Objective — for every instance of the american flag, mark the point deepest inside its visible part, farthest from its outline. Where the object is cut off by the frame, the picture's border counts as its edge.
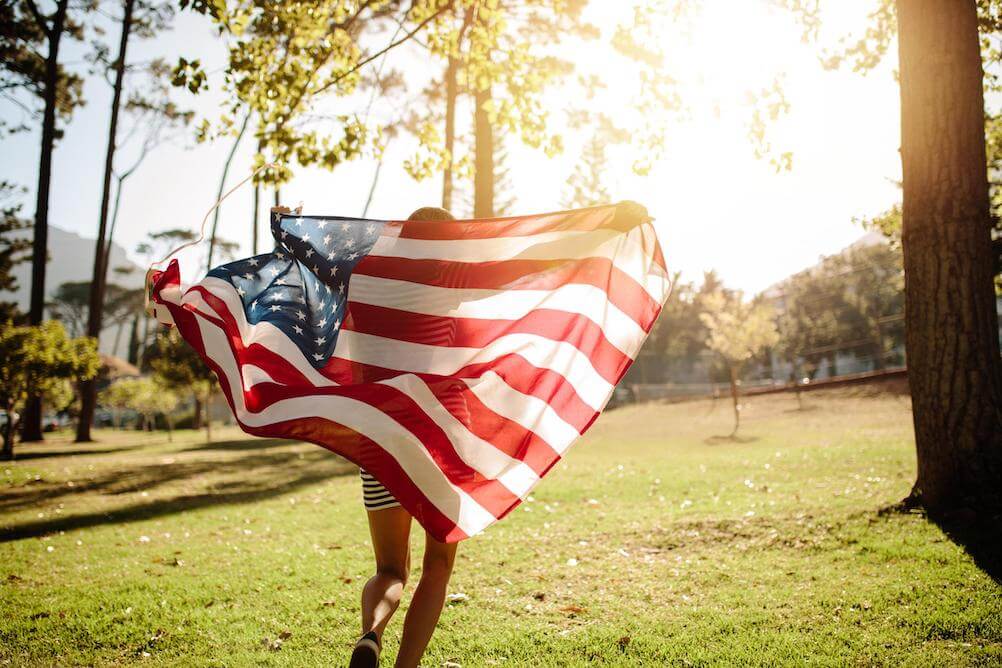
(456, 361)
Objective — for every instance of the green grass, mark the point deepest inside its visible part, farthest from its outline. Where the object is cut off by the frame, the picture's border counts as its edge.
(652, 543)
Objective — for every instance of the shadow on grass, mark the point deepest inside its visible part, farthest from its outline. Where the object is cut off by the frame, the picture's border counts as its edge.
(802, 409)
(240, 444)
(981, 539)
(719, 440)
(983, 544)
(234, 480)
(46, 454)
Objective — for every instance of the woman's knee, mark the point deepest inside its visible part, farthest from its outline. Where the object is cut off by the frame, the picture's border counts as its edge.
(393, 572)
(438, 561)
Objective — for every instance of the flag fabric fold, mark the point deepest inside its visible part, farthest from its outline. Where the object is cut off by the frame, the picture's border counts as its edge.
(456, 361)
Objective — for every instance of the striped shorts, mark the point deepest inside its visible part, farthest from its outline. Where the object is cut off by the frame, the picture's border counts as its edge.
(374, 495)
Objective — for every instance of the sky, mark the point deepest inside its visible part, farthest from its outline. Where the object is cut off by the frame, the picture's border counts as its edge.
(716, 206)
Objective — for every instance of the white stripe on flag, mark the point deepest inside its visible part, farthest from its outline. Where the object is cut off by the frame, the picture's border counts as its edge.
(530, 412)
(482, 457)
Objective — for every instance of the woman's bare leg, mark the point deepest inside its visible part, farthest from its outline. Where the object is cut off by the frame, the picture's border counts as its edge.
(426, 604)
(390, 529)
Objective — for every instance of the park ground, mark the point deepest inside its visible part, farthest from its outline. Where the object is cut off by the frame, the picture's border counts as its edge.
(656, 541)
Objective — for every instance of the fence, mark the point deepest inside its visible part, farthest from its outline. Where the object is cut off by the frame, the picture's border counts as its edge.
(687, 391)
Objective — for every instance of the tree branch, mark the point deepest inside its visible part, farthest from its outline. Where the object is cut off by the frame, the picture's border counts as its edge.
(39, 18)
(387, 48)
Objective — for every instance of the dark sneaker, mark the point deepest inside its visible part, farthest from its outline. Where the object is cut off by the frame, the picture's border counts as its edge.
(366, 654)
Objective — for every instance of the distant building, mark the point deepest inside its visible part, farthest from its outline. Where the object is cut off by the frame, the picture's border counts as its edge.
(844, 358)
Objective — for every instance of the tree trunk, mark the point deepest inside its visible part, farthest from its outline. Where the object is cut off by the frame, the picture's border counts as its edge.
(734, 397)
(144, 340)
(8, 435)
(257, 199)
(133, 354)
(372, 186)
(257, 204)
(951, 325)
(219, 192)
(483, 178)
(118, 337)
(208, 415)
(451, 96)
(88, 388)
(31, 422)
(451, 93)
(879, 345)
(197, 417)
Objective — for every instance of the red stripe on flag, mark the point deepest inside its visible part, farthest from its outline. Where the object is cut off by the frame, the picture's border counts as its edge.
(623, 291)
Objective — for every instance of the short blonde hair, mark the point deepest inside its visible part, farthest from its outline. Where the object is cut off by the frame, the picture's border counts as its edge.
(428, 213)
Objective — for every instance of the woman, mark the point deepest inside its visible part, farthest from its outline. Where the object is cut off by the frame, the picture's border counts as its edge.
(390, 526)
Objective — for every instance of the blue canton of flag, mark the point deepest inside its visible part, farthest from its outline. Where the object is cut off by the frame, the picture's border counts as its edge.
(302, 286)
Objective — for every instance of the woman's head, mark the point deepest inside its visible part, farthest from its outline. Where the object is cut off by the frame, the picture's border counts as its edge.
(431, 213)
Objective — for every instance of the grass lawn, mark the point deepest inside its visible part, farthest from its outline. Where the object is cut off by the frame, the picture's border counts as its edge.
(654, 542)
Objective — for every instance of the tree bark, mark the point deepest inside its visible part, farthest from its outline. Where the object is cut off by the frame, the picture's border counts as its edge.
(951, 323)
(483, 178)
(88, 388)
(31, 422)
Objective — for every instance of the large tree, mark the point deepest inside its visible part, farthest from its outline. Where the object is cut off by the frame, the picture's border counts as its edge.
(954, 367)
(88, 389)
(142, 19)
(30, 40)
